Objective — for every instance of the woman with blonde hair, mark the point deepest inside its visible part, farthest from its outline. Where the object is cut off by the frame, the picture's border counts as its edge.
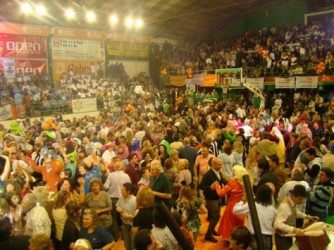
(234, 190)
(143, 216)
(189, 205)
(237, 152)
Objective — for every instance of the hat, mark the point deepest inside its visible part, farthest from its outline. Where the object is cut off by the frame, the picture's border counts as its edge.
(299, 191)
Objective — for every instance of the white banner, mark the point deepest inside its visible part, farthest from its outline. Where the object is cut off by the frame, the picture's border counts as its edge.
(284, 83)
(84, 105)
(258, 82)
(75, 49)
(307, 82)
(9, 67)
(5, 113)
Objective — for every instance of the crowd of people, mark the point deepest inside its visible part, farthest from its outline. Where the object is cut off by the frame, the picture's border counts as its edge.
(286, 51)
(87, 183)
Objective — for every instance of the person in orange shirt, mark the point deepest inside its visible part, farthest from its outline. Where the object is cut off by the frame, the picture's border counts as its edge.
(51, 168)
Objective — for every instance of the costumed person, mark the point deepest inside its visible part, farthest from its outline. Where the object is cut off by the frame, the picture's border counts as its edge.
(280, 145)
(234, 190)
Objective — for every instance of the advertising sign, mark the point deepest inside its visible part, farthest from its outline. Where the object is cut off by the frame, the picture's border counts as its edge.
(284, 83)
(307, 82)
(74, 49)
(31, 67)
(84, 105)
(19, 46)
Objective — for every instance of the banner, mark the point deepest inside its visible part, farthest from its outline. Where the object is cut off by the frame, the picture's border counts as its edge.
(178, 81)
(307, 82)
(5, 112)
(8, 67)
(284, 83)
(78, 33)
(31, 67)
(198, 79)
(258, 82)
(210, 80)
(127, 51)
(24, 29)
(84, 105)
(82, 68)
(19, 46)
(74, 49)
(128, 38)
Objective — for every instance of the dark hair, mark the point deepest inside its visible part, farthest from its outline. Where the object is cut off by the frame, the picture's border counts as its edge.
(61, 182)
(61, 199)
(274, 158)
(263, 163)
(129, 187)
(311, 151)
(5, 228)
(242, 236)
(131, 155)
(328, 172)
(143, 170)
(142, 239)
(263, 195)
(168, 164)
(73, 210)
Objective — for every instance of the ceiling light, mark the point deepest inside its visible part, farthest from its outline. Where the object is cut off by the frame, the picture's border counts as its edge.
(139, 23)
(90, 16)
(113, 19)
(69, 13)
(40, 9)
(26, 8)
(128, 22)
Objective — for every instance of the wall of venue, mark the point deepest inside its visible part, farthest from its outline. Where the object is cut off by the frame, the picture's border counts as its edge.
(28, 51)
(287, 13)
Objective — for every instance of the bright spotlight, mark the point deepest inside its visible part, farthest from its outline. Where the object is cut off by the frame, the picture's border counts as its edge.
(139, 23)
(128, 22)
(40, 9)
(69, 13)
(90, 16)
(113, 19)
(26, 8)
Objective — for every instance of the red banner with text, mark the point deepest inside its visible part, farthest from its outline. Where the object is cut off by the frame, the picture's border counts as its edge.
(31, 67)
(19, 46)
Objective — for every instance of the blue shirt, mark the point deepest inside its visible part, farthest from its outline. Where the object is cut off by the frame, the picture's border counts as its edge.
(98, 239)
(93, 173)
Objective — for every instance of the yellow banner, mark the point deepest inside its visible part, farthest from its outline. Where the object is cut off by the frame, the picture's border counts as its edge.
(74, 67)
(178, 81)
(122, 50)
(210, 80)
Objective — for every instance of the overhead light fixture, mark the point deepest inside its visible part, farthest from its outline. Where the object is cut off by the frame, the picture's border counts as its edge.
(69, 13)
(113, 19)
(26, 8)
(40, 9)
(129, 22)
(139, 23)
(90, 16)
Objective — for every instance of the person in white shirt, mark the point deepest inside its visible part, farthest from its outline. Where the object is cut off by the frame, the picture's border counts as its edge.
(37, 218)
(114, 185)
(266, 213)
(287, 213)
